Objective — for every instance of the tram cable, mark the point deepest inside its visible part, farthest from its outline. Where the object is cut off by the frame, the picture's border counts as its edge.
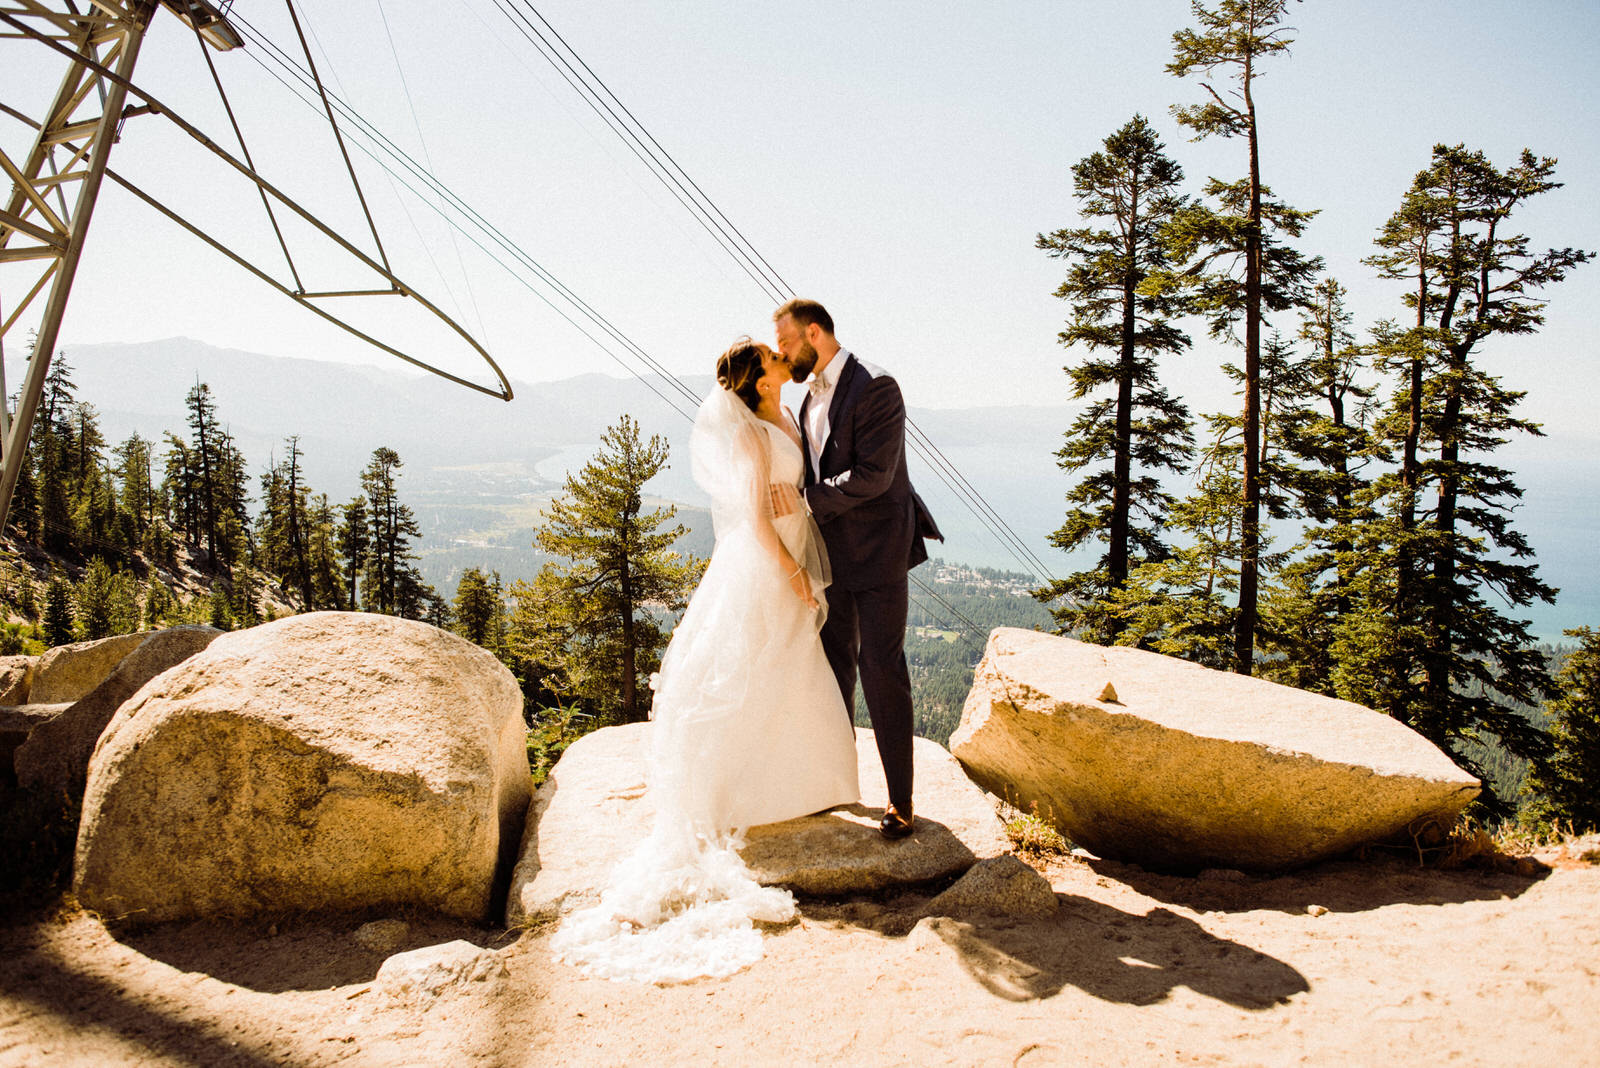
(645, 147)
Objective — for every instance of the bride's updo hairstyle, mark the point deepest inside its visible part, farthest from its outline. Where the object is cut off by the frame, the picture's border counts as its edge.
(740, 368)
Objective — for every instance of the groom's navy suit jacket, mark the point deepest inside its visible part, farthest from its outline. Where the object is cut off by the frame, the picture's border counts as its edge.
(872, 521)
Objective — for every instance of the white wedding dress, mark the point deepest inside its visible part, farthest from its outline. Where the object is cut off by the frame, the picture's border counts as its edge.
(748, 728)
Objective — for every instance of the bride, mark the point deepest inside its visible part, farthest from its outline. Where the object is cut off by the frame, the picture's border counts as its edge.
(749, 726)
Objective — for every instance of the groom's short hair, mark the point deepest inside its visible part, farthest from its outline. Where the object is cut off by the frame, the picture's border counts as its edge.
(805, 312)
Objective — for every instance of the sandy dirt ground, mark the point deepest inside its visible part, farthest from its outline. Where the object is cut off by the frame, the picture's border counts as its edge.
(1367, 962)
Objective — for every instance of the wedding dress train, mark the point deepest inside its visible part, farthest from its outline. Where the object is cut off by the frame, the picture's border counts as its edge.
(748, 728)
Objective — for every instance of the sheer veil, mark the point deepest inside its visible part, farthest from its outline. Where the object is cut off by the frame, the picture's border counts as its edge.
(730, 457)
(683, 904)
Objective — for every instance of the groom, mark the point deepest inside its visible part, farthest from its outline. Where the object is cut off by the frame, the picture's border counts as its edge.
(872, 522)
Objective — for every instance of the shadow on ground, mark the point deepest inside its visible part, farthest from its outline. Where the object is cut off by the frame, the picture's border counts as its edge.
(311, 953)
(37, 979)
(1338, 886)
(1102, 950)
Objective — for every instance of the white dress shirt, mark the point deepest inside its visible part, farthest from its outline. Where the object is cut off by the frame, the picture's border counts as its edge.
(817, 412)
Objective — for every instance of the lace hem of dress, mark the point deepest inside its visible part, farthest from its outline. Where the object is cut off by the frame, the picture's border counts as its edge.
(674, 911)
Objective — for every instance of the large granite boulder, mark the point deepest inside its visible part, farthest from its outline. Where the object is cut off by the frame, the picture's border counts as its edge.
(16, 678)
(68, 672)
(55, 757)
(1168, 764)
(594, 809)
(325, 761)
(17, 724)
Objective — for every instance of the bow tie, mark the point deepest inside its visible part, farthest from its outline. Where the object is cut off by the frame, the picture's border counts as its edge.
(818, 386)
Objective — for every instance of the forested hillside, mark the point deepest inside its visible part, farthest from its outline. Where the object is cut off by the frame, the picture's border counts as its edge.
(110, 538)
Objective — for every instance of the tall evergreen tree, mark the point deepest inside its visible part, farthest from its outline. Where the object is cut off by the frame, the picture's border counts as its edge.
(354, 538)
(283, 538)
(298, 495)
(233, 501)
(59, 392)
(390, 583)
(23, 519)
(85, 445)
(137, 494)
(1430, 646)
(43, 493)
(180, 486)
(1233, 38)
(620, 565)
(207, 479)
(1128, 191)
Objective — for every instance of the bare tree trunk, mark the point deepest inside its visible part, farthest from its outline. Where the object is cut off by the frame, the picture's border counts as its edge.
(1250, 526)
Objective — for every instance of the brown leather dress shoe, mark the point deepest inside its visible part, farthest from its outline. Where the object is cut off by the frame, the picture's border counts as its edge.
(895, 823)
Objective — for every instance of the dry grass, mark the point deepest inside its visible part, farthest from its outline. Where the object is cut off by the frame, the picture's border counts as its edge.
(1508, 846)
(1032, 834)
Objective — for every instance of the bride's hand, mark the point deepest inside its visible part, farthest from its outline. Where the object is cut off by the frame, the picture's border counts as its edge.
(784, 497)
(800, 583)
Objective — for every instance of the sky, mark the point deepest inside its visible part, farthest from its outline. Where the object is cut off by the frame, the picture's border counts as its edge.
(895, 160)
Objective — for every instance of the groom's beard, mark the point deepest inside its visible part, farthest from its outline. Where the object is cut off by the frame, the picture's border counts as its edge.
(800, 366)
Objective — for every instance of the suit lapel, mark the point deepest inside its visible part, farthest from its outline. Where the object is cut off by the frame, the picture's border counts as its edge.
(805, 440)
(843, 391)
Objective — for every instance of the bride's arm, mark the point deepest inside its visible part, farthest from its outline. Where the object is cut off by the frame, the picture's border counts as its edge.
(767, 501)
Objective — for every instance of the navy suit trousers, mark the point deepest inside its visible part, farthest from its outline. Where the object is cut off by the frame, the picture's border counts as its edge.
(866, 631)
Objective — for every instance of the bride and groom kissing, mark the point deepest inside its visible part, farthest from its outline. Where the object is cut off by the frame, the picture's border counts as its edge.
(806, 591)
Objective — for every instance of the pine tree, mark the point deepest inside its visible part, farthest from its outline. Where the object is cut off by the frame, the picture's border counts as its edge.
(1180, 605)
(27, 598)
(159, 605)
(221, 614)
(297, 495)
(1431, 646)
(50, 509)
(181, 487)
(23, 519)
(59, 625)
(243, 597)
(1129, 188)
(85, 447)
(202, 452)
(390, 582)
(135, 469)
(59, 393)
(1565, 785)
(327, 588)
(92, 601)
(55, 507)
(589, 616)
(1234, 37)
(283, 538)
(479, 611)
(91, 491)
(354, 538)
(1322, 425)
(233, 502)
